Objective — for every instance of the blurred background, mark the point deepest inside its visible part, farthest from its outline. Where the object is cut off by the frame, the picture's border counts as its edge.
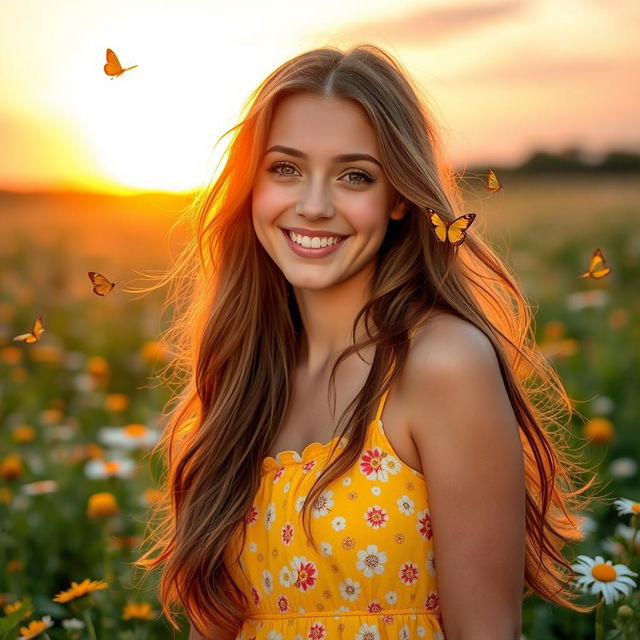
(94, 171)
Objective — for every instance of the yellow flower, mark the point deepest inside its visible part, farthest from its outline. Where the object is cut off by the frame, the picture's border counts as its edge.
(14, 606)
(46, 353)
(79, 590)
(116, 402)
(98, 367)
(11, 355)
(141, 610)
(11, 467)
(35, 628)
(599, 430)
(135, 430)
(102, 504)
(24, 433)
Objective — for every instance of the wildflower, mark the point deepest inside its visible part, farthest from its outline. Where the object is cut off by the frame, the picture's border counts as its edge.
(98, 367)
(35, 628)
(554, 330)
(101, 505)
(598, 576)
(78, 590)
(46, 353)
(14, 606)
(153, 351)
(73, 624)
(11, 355)
(116, 402)
(50, 416)
(583, 299)
(133, 436)
(623, 505)
(602, 404)
(151, 496)
(24, 433)
(40, 487)
(116, 467)
(11, 467)
(623, 467)
(599, 430)
(140, 610)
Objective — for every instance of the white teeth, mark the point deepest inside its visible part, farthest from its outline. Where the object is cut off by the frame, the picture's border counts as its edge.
(314, 242)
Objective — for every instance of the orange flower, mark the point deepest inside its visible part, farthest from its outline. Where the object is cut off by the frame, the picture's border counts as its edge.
(79, 590)
(46, 353)
(135, 430)
(11, 355)
(50, 416)
(554, 330)
(141, 610)
(11, 467)
(98, 367)
(116, 402)
(152, 496)
(24, 433)
(94, 451)
(35, 628)
(154, 351)
(599, 430)
(102, 504)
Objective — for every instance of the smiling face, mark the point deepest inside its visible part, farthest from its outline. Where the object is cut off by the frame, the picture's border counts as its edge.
(303, 184)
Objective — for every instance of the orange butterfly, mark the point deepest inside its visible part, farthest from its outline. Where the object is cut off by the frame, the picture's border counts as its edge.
(597, 267)
(113, 67)
(492, 182)
(36, 332)
(101, 286)
(455, 231)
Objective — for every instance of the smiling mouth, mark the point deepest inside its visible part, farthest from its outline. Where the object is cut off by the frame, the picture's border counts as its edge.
(313, 242)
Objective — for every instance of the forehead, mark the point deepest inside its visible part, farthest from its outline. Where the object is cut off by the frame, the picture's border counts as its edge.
(309, 122)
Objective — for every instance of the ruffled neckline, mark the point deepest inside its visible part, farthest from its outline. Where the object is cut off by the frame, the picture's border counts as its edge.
(312, 451)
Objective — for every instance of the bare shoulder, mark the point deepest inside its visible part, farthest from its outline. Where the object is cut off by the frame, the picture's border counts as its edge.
(465, 432)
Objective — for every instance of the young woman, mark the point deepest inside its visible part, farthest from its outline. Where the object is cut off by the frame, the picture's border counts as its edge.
(420, 496)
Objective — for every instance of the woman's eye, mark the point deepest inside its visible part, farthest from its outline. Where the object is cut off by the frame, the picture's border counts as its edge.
(354, 177)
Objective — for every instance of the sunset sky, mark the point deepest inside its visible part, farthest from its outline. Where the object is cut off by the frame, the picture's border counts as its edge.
(503, 78)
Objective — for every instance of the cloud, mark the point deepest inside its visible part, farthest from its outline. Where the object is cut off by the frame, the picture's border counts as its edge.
(427, 25)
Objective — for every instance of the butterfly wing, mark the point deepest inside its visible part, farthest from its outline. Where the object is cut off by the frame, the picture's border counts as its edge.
(597, 267)
(456, 231)
(438, 225)
(492, 182)
(36, 332)
(101, 286)
(113, 66)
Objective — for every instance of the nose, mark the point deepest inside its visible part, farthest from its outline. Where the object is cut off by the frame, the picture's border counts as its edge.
(315, 203)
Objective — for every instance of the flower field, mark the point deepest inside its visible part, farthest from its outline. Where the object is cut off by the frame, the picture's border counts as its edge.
(81, 407)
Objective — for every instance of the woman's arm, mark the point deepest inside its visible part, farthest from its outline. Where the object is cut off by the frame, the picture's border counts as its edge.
(467, 437)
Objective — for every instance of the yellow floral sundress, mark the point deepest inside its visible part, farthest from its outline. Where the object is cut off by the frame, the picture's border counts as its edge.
(375, 576)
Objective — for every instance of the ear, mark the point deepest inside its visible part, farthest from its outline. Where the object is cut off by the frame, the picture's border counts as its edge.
(399, 209)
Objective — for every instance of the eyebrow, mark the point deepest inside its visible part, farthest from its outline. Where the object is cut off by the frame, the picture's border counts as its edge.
(345, 157)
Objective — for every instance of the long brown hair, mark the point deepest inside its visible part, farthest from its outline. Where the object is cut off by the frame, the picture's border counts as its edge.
(237, 328)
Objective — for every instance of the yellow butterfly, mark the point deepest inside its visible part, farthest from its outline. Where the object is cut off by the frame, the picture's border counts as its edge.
(113, 67)
(455, 231)
(597, 267)
(492, 182)
(101, 286)
(36, 332)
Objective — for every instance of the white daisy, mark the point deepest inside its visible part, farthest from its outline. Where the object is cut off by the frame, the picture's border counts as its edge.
(624, 506)
(371, 561)
(390, 464)
(376, 491)
(598, 576)
(267, 582)
(338, 523)
(391, 597)
(349, 590)
(300, 502)
(623, 467)
(368, 632)
(287, 576)
(420, 631)
(346, 481)
(406, 505)
(253, 547)
(326, 549)
(323, 504)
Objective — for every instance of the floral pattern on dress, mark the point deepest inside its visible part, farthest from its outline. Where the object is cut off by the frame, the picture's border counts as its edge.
(374, 573)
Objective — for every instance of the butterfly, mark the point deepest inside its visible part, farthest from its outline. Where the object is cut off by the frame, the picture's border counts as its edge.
(113, 67)
(492, 182)
(36, 332)
(597, 267)
(454, 231)
(101, 286)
